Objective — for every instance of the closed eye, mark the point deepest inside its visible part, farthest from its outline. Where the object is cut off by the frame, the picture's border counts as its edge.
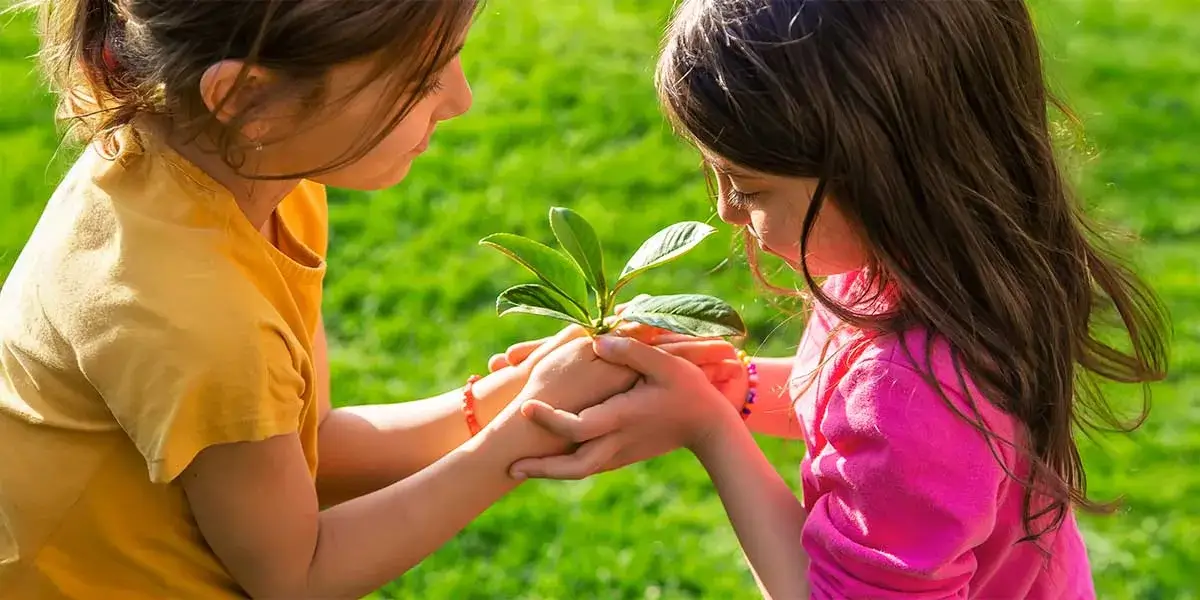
(432, 88)
(739, 200)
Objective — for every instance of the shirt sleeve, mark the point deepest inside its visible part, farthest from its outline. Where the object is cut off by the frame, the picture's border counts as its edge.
(177, 391)
(912, 489)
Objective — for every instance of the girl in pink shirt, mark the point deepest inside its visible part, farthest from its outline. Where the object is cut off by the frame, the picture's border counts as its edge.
(901, 152)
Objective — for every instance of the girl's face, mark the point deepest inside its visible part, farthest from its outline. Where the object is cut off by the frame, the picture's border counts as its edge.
(388, 162)
(772, 209)
(348, 121)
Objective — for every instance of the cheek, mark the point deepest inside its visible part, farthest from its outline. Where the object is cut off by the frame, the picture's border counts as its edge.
(834, 247)
(779, 230)
(387, 163)
(405, 138)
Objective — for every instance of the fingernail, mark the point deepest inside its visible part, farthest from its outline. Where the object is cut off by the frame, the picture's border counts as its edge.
(608, 343)
(519, 476)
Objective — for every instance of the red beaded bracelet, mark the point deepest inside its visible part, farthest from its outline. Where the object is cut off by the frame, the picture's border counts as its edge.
(468, 405)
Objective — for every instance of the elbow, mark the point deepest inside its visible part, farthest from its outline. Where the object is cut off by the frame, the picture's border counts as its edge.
(295, 582)
(291, 577)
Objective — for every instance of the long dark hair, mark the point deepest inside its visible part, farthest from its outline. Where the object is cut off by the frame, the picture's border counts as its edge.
(113, 60)
(926, 122)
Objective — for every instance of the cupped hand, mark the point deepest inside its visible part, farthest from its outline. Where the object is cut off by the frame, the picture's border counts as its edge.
(531, 354)
(571, 377)
(672, 406)
(520, 352)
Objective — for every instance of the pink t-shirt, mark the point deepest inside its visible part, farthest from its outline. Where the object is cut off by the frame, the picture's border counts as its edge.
(905, 498)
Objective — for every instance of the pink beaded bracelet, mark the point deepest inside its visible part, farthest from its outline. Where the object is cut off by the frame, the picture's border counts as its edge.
(751, 383)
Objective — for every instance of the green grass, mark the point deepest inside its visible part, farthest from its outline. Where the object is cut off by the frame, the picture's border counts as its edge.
(565, 115)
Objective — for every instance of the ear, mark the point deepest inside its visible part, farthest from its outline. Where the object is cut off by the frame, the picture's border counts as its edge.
(225, 97)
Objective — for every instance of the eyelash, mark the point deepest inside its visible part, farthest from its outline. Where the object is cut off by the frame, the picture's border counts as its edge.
(434, 87)
(739, 200)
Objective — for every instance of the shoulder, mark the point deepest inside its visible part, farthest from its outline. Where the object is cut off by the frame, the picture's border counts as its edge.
(114, 258)
(914, 421)
(163, 340)
(917, 374)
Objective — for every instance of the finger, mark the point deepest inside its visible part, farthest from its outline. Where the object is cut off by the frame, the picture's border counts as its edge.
(700, 351)
(669, 337)
(517, 353)
(643, 333)
(724, 371)
(589, 459)
(497, 362)
(591, 423)
(653, 363)
(562, 337)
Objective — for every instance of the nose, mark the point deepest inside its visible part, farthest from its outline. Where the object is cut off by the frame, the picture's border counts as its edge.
(457, 97)
(729, 213)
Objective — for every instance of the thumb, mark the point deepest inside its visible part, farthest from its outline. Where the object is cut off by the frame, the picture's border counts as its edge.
(651, 362)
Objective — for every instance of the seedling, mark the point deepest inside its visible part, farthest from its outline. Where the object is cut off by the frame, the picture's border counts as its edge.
(572, 285)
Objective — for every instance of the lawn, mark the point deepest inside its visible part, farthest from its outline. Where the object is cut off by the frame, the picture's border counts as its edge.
(565, 115)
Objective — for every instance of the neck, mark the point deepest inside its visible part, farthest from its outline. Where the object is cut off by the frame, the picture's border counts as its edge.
(257, 198)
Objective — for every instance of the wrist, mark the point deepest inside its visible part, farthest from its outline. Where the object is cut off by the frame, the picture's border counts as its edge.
(721, 433)
(494, 392)
(512, 436)
(492, 453)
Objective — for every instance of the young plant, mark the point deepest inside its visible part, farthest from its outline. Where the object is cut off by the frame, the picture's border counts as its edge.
(572, 286)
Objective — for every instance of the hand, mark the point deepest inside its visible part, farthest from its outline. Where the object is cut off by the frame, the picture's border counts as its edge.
(530, 356)
(673, 406)
(570, 377)
(573, 378)
(520, 352)
(717, 359)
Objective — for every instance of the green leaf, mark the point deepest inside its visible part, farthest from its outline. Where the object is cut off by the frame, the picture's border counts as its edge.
(579, 240)
(548, 264)
(689, 314)
(663, 247)
(537, 299)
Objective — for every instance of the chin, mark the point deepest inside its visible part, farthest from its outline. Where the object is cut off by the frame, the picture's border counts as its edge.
(818, 268)
(393, 178)
(381, 181)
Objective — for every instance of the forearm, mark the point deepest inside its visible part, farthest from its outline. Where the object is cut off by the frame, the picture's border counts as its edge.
(366, 542)
(366, 448)
(757, 580)
(773, 413)
(766, 515)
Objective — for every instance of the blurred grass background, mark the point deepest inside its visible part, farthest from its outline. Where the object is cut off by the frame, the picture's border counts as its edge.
(565, 115)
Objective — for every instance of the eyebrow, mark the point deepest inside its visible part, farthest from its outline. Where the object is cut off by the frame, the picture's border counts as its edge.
(722, 166)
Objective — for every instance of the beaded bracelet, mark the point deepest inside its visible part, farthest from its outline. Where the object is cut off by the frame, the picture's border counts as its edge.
(468, 405)
(751, 383)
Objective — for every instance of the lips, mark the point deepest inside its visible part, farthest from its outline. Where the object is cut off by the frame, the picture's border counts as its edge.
(424, 144)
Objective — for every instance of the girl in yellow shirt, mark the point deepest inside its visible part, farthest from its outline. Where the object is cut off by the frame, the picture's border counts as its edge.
(164, 399)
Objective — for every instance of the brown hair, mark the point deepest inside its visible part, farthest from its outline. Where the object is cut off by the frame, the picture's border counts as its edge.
(113, 60)
(926, 122)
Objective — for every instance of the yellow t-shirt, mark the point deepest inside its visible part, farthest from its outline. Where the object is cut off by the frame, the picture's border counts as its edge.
(145, 320)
